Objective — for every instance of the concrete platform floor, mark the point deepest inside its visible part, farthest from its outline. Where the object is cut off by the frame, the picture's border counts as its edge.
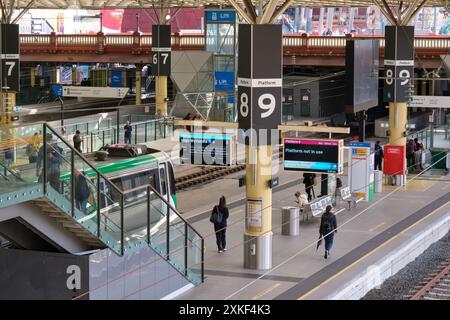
(294, 258)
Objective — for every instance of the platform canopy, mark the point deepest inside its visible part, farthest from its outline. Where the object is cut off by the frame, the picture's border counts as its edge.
(118, 4)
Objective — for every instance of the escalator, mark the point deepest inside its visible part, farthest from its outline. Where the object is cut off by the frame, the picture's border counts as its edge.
(38, 200)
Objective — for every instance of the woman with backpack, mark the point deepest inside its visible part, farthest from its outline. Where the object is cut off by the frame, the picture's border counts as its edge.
(219, 216)
(328, 227)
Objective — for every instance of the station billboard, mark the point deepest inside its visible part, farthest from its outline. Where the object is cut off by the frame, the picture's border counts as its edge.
(207, 149)
(313, 155)
(361, 66)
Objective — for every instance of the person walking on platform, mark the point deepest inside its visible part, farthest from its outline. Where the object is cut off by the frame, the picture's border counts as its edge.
(309, 182)
(378, 156)
(219, 216)
(328, 227)
(410, 149)
(77, 141)
(128, 129)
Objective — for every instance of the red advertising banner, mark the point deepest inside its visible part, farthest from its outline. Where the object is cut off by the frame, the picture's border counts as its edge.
(394, 160)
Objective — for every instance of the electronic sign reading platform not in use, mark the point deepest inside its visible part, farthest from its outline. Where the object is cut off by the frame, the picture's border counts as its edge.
(313, 155)
(207, 149)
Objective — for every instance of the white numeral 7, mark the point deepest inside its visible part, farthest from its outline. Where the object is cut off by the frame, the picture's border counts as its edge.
(165, 55)
(11, 65)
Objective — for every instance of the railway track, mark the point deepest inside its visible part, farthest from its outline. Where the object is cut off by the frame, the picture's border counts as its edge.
(434, 287)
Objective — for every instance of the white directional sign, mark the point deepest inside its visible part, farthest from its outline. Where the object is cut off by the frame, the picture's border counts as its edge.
(94, 92)
(430, 102)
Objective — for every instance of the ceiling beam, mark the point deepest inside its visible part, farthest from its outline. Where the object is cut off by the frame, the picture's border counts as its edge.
(24, 10)
(408, 19)
(242, 12)
(385, 13)
(250, 9)
(280, 10)
(267, 13)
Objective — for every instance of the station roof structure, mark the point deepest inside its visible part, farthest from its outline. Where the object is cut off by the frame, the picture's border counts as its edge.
(120, 4)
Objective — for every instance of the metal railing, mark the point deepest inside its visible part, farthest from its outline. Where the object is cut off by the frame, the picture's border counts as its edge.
(141, 43)
(123, 220)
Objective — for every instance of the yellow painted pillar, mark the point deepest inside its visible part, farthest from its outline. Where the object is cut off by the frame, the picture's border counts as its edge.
(398, 117)
(32, 77)
(138, 86)
(161, 95)
(258, 226)
(74, 75)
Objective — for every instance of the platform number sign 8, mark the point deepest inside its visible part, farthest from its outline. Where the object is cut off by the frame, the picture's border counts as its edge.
(244, 109)
(389, 76)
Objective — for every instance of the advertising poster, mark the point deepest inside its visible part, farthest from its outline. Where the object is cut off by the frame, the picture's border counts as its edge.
(254, 215)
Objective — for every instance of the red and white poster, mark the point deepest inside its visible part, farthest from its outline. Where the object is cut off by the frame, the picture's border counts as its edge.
(394, 160)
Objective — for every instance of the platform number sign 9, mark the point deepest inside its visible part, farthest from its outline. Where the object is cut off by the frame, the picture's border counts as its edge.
(10, 56)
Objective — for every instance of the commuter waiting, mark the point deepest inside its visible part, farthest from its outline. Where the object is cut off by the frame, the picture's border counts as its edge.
(378, 156)
(81, 191)
(77, 141)
(309, 180)
(128, 129)
(410, 149)
(54, 159)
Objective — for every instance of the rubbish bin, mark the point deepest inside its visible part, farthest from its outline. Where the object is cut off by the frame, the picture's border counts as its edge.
(290, 219)
(378, 181)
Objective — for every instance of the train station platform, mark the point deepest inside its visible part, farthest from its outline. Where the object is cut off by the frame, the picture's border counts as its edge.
(299, 271)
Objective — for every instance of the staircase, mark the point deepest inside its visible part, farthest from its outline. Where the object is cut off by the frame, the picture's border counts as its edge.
(108, 221)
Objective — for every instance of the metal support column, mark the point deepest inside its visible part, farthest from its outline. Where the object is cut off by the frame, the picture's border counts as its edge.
(138, 85)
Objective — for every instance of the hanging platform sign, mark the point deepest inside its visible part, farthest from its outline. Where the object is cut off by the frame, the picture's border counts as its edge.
(9, 57)
(227, 16)
(161, 50)
(94, 92)
(260, 80)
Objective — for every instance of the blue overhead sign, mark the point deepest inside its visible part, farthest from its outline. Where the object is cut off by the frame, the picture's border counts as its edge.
(224, 81)
(221, 16)
(57, 90)
(116, 79)
(359, 144)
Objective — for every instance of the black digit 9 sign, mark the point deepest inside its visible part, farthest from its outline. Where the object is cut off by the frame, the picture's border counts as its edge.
(260, 78)
(398, 62)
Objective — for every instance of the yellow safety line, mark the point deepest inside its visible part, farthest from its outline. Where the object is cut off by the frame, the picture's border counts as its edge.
(266, 291)
(370, 252)
(377, 226)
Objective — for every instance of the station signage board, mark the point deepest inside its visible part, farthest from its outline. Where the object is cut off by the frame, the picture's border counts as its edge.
(9, 57)
(313, 155)
(260, 79)
(94, 92)
(394, 160)
(430, 102)
(207, 149)
(398, 62)
(161, 50)
(220, 16)
(361, 171)
(254, 215)
(223, 81)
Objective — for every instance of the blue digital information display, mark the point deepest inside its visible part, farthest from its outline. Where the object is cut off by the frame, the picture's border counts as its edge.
(221, 16)
(116, 79)
(205, 149)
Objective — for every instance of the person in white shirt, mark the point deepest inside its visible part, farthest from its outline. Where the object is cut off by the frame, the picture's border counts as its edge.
(301, 200)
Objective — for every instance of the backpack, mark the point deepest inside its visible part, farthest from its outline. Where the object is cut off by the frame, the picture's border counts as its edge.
(338, 182)
(216, 216)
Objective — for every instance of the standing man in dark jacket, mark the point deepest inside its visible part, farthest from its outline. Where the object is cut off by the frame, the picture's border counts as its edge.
(77, 141)
(328, 227)
(220, 226)
(308, 181)
(378, 156)
(128, 129)
(54, 160)
(81, 191)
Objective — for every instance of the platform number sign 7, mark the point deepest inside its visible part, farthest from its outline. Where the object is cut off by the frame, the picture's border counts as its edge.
(10, 66)
(161, 63)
